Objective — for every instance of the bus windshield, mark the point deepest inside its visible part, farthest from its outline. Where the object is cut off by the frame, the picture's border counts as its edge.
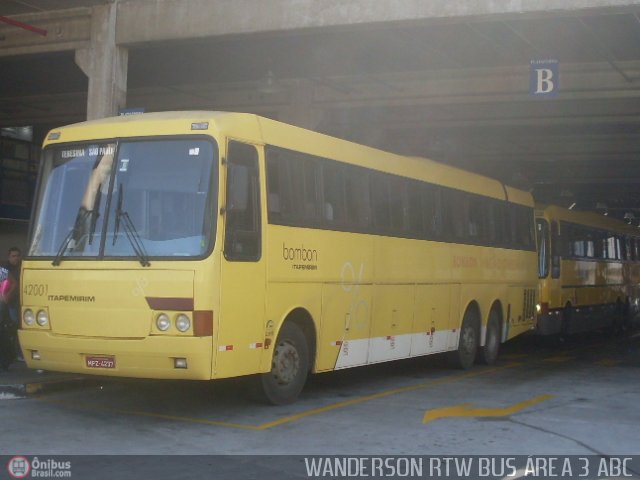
(141, 199)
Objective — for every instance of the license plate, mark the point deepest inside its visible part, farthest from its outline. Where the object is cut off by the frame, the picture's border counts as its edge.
(95, 361)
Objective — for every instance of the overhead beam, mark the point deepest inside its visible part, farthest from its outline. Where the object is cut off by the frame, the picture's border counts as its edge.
(66, 30)
(142, 21)
(153, 20)
(24, 26)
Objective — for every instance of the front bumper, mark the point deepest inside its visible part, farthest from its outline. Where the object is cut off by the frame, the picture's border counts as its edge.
(150, 357)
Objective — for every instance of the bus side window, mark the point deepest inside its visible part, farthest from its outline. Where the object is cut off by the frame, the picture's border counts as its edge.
(242, 231)
(415, 210)
(556, 240)
(334, 209)
(380, 202)
(432, 211)
(358, 202)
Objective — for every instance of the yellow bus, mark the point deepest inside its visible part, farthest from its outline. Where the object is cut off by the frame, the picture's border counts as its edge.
(205, 245)
(589, 270)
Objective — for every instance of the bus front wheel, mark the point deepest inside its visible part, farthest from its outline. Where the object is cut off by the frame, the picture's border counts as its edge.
(289, 367)
(465, 355)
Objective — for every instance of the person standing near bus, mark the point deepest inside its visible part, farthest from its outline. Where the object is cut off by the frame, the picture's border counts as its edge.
(10, 293)
(12, 296)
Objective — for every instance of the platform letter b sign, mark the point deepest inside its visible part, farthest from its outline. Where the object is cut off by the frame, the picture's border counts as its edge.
(544, 78)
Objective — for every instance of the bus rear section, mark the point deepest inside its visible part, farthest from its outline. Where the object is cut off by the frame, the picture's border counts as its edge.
(587, 268)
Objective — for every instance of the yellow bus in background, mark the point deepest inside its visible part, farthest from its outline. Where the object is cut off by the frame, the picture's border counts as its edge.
(205, 245)
(589, 270)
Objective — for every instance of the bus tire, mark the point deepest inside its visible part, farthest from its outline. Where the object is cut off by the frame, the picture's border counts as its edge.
(489, 353)
(621, 319)
(464, 357)
(565, 327)
(289, 367)
(628, 320)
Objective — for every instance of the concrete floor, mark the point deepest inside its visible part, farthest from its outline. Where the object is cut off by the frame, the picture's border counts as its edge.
(543, 397)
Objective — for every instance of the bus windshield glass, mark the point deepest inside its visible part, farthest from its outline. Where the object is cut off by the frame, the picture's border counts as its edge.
(141, 199)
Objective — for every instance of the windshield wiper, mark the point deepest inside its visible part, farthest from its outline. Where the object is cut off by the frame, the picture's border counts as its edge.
(74, 233)
(130, 231)
(95, 213)
(116, 227)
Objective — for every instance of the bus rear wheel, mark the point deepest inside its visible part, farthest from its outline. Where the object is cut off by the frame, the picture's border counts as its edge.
(289, 367)
(465, 355)
(489, 353)
(622, 320)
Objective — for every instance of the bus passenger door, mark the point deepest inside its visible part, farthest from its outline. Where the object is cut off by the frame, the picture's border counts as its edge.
(242, 292)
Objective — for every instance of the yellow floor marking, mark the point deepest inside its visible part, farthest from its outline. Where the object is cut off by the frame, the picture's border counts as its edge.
(515, 356)
(149, 414)
(559, 359)
(609, 362)
(301, 415)
(327, 408)
(467, 410)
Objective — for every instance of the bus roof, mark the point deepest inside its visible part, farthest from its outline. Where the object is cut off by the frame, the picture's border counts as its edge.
(580, 217)
(261, 130)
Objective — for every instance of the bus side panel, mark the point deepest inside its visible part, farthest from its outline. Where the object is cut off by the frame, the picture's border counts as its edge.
(206, 285)
(432, 320)
(391, 322)
(336, 268)
(614, 279)
(633, 282)
(241, 326)
(588, 279)
(455, 315)
(345, 326)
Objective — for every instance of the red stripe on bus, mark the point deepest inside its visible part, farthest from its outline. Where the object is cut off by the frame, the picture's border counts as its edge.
(169, 303)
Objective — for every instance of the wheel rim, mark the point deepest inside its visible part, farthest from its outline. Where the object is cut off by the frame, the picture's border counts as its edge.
(286, 363)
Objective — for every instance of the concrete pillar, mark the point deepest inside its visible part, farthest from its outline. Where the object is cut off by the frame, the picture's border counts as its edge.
(301, 111)
(105, 63)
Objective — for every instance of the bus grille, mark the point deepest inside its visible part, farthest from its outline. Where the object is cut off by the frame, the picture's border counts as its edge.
(529, 303)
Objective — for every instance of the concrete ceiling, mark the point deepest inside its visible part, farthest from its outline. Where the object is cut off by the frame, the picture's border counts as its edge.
(18, 7)
(456, 91)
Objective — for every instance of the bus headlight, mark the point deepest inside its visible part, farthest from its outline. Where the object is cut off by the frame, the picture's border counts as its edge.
(28, 317)
(163, 322)
(42, 318)
(183, 323)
